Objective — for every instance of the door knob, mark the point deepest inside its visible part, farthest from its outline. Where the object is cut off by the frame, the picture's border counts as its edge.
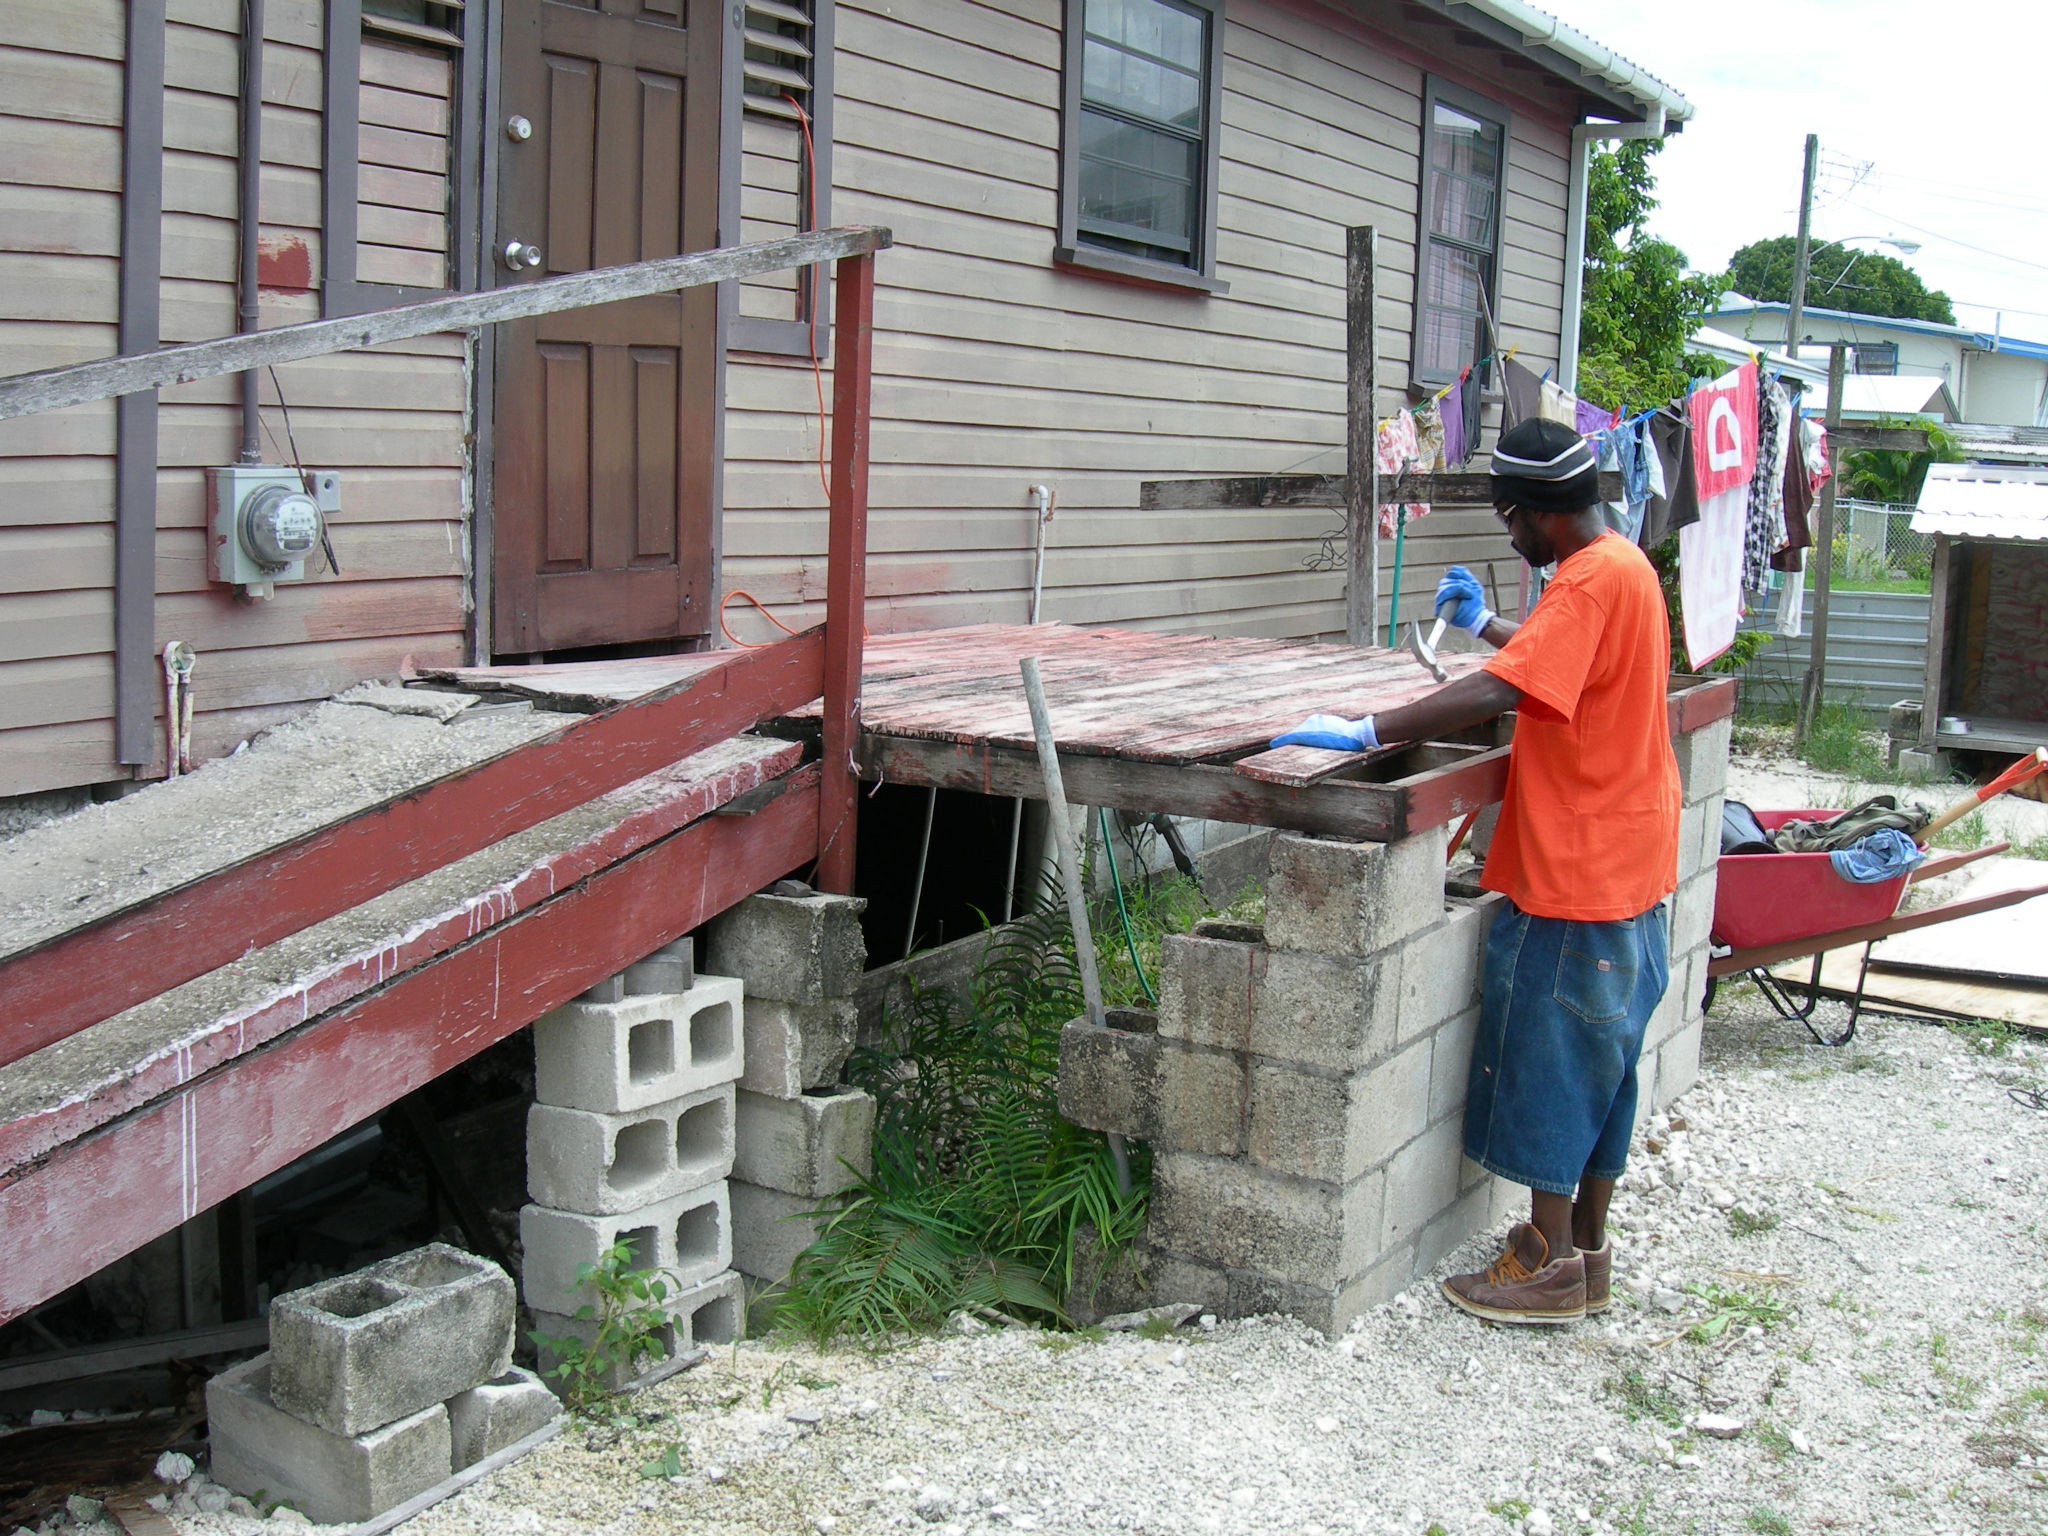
(519, 256)
(518, 129)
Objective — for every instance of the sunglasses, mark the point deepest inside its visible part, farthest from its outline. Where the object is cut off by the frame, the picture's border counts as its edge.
(1506, 515)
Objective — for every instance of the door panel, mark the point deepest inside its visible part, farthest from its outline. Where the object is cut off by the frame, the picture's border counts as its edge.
(605, 424)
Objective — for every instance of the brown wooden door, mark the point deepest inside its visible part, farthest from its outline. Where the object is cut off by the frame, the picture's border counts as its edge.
(603, 475)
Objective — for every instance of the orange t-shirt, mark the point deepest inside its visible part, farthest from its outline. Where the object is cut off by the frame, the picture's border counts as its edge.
(1589, 824)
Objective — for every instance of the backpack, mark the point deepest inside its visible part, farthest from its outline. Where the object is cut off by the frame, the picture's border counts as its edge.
(1741, 832)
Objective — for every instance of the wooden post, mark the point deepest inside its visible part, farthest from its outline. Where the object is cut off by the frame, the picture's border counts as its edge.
(1814, 687)
(1361, 471)
(1937, 643)
(846, 568)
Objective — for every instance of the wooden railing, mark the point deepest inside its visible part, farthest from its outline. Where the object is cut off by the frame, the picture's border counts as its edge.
(51, 991)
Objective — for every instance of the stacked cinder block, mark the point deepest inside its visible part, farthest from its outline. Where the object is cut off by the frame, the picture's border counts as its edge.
(801, 1137)
(1671, 1045)
(631, 1139)
(377, 1386)
(1303, 1086)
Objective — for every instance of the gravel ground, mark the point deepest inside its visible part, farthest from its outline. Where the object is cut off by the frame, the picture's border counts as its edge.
(1830, 1312)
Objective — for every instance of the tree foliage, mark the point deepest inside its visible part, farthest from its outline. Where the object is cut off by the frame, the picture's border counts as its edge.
(1838, 277)
(1641, 302)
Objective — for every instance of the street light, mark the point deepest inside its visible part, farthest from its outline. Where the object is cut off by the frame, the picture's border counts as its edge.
(1903, 247)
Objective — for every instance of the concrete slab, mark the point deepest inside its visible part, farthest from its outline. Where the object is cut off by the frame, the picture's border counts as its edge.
(496, 1413)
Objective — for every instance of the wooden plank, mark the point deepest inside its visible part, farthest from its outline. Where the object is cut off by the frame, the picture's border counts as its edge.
(1336, 807)
(57, 387)
(1299, 767)
(133, 1514)
(126, 1354)
(162, 942)
(1693, 702)
(1855, 437)
(130, 1062)
(79, 1209)
(1455, 488)
(853, 326)
(1361, 414)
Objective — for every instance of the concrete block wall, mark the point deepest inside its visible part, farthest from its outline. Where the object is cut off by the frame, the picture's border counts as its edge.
(631, 1139)
(1303, 1086)
(800, 1137)
(377, 1386)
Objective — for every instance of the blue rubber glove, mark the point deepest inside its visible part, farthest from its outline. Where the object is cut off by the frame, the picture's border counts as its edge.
(1333, 732)
(1460, 592)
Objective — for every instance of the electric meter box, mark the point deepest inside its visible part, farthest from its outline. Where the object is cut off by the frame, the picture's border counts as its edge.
(266, 522)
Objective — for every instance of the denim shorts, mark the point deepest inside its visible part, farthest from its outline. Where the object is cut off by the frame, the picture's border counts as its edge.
(1552, 1091)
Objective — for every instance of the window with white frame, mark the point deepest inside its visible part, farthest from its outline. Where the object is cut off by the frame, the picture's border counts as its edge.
(1464, 172)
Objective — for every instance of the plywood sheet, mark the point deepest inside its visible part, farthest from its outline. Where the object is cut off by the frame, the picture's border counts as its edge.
(1952, 996)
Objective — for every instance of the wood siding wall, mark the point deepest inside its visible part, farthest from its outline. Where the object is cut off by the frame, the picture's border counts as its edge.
(996, 370)
(392, 420)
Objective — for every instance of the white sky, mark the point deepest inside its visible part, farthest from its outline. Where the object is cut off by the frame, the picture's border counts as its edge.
(1941, 101)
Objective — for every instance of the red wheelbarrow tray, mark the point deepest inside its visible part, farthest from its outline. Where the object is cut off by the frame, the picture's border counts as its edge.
(1770, 907)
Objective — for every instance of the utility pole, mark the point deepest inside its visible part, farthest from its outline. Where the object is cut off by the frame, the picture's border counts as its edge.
(1803, 252)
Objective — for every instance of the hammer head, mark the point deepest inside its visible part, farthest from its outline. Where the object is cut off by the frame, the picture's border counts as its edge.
(1425, 650)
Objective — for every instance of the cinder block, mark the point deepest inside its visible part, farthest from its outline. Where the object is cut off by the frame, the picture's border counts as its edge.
(364, 1350)
(1327, 1011)
(669, 969)
(1207, 985)
(713, 1312)
(581, 1160)
(687, 1238)
(769, 1229)
(1470, 1213)
(1235, 1214)
(1354, 899)
(1327, 1308)
(1690, 820)
(1422, 1182)
(1450, 1064)
(814, 1145)
(1440, 969)
(258, 1448)
(1678, 1068)
(1692, 914)
(1175, 1095)
(1669, 1014)
(1703, 759)
(795, 1046)
(797, 949)
(1933, 764)
(500, 1412)
(617, 1057)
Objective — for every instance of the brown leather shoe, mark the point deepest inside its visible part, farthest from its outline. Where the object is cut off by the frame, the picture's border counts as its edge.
(1509, 1291)
(1599, 1276)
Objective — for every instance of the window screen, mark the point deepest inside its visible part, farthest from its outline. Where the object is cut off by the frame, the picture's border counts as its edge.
(1461, 235)
(1143, 128)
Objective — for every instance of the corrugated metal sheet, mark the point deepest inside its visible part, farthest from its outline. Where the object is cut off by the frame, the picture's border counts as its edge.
(1877, 652)
(1984, 501)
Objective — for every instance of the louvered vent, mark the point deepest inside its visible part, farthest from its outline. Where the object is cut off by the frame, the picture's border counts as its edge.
(777, 60)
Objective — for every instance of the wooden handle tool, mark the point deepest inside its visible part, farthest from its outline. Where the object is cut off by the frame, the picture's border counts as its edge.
(2033, 763)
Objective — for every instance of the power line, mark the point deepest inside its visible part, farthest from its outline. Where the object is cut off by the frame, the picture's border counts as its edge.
(1981, 250)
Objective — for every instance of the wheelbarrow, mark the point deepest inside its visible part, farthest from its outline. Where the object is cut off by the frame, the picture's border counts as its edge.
(1774, 907)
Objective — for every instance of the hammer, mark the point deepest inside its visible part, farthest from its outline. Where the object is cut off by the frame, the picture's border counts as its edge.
(1425, 650)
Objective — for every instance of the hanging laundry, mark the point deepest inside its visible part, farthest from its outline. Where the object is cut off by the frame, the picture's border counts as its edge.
(1618, 515)
(1792, 597)
(1813, 439)
(1554, 403)
(1798, 500)
(1429, 438)
(1764, 518)
(1469, 402)
(1523, 390)
(1453, 403)
(1710, 550)
(1397, 448)
(1590, 418)
(1677, 504)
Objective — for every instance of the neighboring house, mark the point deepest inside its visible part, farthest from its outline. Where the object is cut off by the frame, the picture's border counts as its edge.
(1991, 379)
(1120, 233)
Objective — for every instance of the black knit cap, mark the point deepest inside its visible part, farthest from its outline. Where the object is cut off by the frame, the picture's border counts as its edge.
(1546, 467)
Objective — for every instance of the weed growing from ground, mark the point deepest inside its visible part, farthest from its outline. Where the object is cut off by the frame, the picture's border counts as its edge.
(1642, 1398)
(1730, 1305)
(1509, 1509)
(1768, 1522)
(631, 1319)
(1966, 833)
(1987, 1037)
(1841, 741)
(1749, 1223)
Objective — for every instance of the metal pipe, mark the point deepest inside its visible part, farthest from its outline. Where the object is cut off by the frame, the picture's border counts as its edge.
(1043, 496)
(1579, 175)
(924, 853)
(248, 306)
(1062, 831)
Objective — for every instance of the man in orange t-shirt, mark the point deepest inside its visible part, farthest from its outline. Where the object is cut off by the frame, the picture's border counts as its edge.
(1586, 850)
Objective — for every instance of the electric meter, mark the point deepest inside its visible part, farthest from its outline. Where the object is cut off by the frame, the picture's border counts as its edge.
(266, 521)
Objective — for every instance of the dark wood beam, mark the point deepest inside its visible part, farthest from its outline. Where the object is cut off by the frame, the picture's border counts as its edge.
(1853, 437)
(1457, 488)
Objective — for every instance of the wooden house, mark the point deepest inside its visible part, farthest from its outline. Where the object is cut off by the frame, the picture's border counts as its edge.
(1119, 257)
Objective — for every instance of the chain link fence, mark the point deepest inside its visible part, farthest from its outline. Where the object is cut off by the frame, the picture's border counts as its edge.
(1875, 545)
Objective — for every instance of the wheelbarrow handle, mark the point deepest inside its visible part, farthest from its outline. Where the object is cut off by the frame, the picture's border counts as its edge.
(2022, 770)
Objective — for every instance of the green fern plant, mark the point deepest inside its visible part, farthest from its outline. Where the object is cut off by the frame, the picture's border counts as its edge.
(980, 1191)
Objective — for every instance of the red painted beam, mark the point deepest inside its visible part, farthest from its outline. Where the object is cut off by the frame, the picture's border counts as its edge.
(74, 981)
(105, 1196)
(109, 1083)
(846, 568)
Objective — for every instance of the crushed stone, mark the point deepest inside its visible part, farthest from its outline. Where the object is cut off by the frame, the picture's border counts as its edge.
(1868, 1355)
